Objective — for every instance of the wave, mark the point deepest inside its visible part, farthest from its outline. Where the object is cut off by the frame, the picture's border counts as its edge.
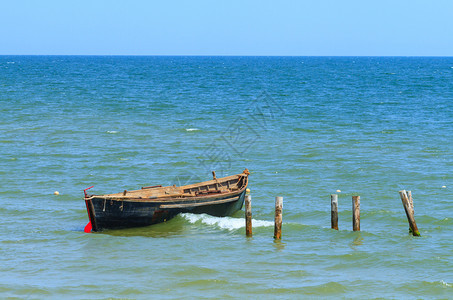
(445, 284)
(228, 223)
(192, 129)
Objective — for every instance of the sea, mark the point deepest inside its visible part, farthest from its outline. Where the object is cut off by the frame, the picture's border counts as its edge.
(305, 127)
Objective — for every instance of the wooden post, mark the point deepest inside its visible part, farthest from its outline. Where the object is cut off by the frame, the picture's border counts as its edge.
(409, 212)
(334, 211)
(248, 215)
(278, 218)
(356, 213)
(411, 201)
(411, 205)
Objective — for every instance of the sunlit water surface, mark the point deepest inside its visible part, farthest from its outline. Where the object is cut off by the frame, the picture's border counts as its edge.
(305, 127)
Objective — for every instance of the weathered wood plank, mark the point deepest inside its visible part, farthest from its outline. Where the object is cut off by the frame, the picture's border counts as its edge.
(185, 205)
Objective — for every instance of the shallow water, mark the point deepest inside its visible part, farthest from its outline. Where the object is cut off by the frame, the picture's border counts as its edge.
(303, 126)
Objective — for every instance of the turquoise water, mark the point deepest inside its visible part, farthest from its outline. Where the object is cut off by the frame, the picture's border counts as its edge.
(304, 126)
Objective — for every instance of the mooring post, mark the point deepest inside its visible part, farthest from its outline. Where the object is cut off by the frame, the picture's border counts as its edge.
(411, 205)
(356, 213)
(411, 201)
(248, 215)
(334, 211)
(278, 218)
(409, 212)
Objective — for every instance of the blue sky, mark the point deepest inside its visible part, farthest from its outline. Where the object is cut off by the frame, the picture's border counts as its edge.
(202, 27)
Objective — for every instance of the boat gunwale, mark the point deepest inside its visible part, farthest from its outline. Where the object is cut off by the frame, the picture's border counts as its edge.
(179, 196)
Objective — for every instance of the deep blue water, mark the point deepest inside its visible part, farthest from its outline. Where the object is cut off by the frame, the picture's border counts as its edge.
(304, 126)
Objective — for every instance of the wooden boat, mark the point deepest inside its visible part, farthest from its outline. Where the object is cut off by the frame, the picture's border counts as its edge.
(154, 204)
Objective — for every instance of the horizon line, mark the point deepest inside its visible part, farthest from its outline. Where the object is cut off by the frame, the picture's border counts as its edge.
(222, 55)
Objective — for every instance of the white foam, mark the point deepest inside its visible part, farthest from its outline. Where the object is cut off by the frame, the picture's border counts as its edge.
(112, 131)
(192, 129)
(445, 284)
(228, 223)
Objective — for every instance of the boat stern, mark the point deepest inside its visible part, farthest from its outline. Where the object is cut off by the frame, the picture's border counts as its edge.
(91, 226)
